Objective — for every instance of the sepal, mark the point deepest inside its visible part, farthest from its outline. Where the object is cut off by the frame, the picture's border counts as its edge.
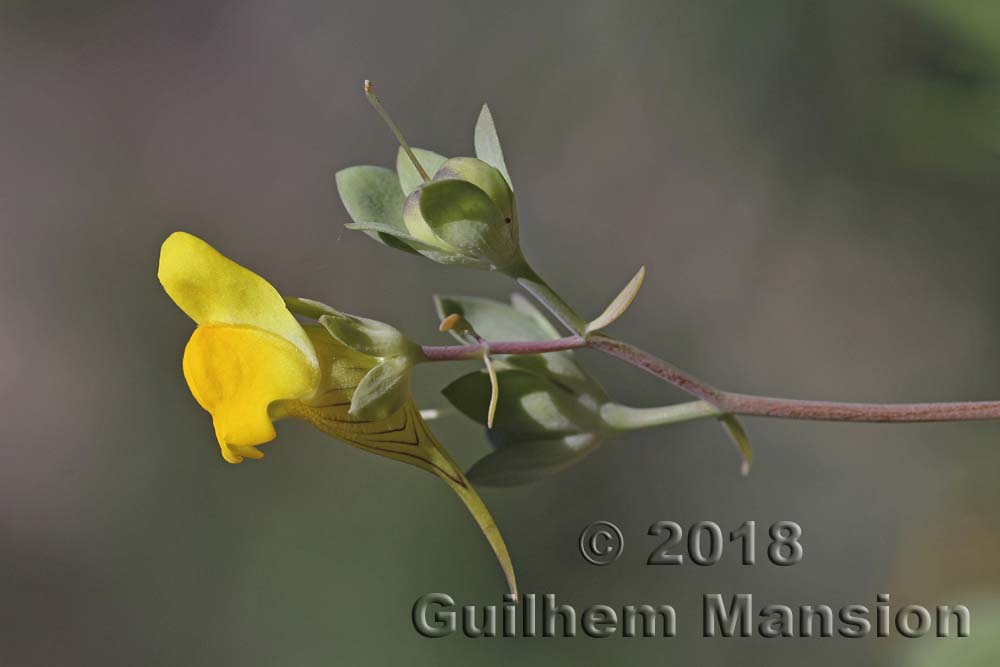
(371, 337)
(383, 390)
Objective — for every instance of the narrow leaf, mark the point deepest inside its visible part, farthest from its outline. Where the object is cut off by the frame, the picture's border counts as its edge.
(620, 303)
(739, 437)
(488, 144)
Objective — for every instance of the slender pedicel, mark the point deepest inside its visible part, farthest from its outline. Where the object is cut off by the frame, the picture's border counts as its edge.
(370, 94)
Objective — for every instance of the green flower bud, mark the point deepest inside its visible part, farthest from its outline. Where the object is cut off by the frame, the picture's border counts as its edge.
(487, 178)
(466, 215)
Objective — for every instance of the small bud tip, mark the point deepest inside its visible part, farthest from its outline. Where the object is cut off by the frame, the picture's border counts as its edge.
(368, 87)
(449, 323)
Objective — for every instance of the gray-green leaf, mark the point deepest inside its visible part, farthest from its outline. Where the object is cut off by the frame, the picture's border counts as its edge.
(409, 178)
(523, 305)
(529, 461)
(530, 406)
(738, 434)
(373, 195)
(488, 144)
(619, 304)
(493, 320)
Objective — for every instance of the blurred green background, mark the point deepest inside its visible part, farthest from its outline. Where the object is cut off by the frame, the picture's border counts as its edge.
(813, 186)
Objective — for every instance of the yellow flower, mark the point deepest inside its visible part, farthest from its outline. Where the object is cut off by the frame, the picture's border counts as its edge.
(249, 362)
(248, 350)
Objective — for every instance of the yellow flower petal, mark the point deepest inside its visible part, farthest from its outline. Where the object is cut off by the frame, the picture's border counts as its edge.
(236, 373)
(213, 289)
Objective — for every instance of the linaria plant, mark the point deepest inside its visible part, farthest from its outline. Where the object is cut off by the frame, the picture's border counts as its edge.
(256, 357)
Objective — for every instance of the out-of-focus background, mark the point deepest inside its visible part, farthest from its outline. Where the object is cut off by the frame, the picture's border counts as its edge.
(813, 186)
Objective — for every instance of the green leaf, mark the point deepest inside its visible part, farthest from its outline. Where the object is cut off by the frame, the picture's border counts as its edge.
(620, 303)
(529, 461)
(373, 195)
(383, 390)
(529, 406)
(739, 437)
(371, 337)
(488, 144)
(409, 178)
(493, 320)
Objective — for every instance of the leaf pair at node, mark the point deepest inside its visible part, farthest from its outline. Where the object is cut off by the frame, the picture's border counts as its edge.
(548, 409)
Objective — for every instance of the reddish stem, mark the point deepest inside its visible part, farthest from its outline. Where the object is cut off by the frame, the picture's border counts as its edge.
(730, 402)
(475, 350)
(790, 408)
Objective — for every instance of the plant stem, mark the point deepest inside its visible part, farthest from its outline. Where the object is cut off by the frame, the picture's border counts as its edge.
(534, 284)
(475, 350)
(789, 408)
(716, 401)
(625, 418)
(658, 367)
